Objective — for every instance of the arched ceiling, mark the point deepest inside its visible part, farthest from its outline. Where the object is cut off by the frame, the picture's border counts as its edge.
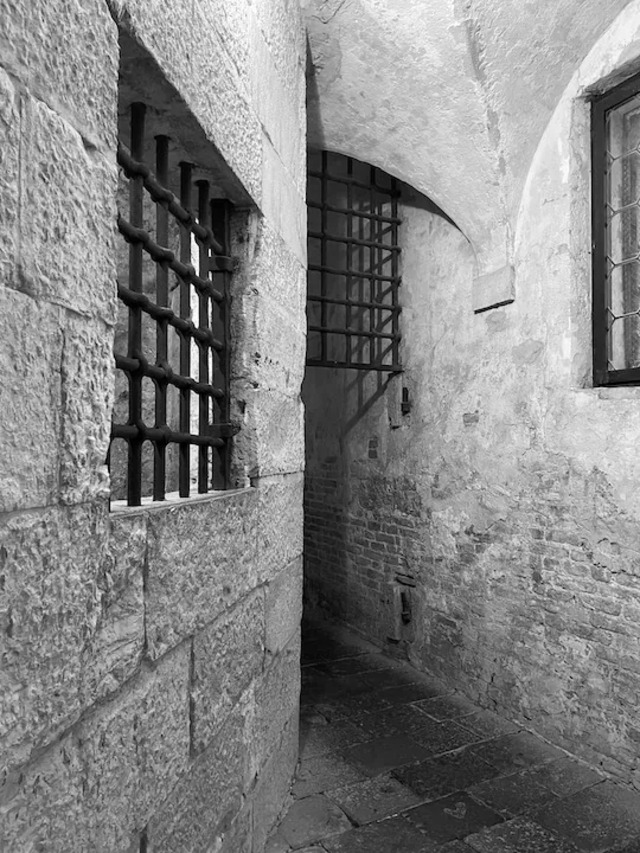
(452, 96)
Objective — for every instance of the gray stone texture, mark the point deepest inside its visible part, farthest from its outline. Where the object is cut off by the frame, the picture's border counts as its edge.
(135, 700)
(227, 656)
(201, 559)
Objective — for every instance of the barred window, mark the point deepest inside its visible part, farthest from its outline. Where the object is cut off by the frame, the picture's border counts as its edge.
(171, 430)
(616, 235)
(353, 280)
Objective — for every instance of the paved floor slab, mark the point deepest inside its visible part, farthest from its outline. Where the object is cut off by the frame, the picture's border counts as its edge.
(384, 753)
(520, 835)
(312, 819)
(395, 835)
(374, 799)
(455, 816)
(445, 774)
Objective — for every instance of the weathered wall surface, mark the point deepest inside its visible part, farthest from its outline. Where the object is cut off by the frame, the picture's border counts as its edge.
(149, 657)
(505, 506)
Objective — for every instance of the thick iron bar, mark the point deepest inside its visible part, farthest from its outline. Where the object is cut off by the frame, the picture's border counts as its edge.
(354, 273)
(203, 352)
(349, 279)
(395, 322)
(162, 300)
(184, 463)
(366, 226)
(221, 225)
(160, 193)
(349, 179)
(354, 303)
(372, 266)
(134, 348)
(362, 214)
(323, 257)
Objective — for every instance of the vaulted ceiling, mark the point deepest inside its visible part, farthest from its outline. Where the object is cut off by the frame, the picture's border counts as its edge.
(452, 96)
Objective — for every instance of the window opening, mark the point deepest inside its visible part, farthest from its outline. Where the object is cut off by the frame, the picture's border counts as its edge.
(353, 281)
(616, 235)
(177, 344)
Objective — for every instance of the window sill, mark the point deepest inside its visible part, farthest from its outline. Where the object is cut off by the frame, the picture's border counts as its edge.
(173, 501)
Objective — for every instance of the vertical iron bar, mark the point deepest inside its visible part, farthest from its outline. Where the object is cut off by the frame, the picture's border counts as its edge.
(136, 217)
(599, 224)
(373, 237)
(221, 226)
(362, 316)
(203, 349)
(395, 319)
(162, 299)
(349, 249)
(184, 472)
(323, 258)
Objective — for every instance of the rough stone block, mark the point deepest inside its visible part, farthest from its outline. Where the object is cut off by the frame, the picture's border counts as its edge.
(10, 124)
(273, 784)
(281, 25)
(205, 807)
(283, 204)
(30, 352)
(277, 110)
(69, 205)
(114, 651)
(277, 696)
(66, 51)
(280, 522)
(233, 23)
(226, 657)
(283, 607)
(201, 559)
(98, 785)
(87, 400)
(50, 563)
(271, 440)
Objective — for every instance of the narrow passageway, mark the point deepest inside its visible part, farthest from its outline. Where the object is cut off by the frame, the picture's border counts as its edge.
(393, 762)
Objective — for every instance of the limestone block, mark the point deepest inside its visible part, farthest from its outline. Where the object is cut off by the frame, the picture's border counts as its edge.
(30, 352)
(281, 25)
(283, 607)
(280, 523)
(97, 786)
(205, 807)
(277, 110)
(277, 695)
(66, 52)
(271, 440)
(283, 204)
(69, 205)
(224, 110)
(135, 749)
(233, 23)
(10, 121)
(50, 563)
(87, 371)
(227, 655)
(114, 650)
(274, 783)
(201, 559)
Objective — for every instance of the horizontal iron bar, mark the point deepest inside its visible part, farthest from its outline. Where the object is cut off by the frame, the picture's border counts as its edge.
(167, 375)
(334, 238)
(390, 192)
(162, 195)
(162, 255)
(353, 365)
(355, 333)
(139, 300)
(133, 432)
(378, 217)
(353, 274)
(354, 304)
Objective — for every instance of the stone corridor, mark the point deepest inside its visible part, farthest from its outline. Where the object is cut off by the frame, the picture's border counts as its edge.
(392, 762)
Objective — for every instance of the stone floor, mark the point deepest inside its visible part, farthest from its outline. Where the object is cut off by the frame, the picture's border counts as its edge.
(390, 762)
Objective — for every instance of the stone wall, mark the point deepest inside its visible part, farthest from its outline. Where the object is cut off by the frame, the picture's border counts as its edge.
(150, 671)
